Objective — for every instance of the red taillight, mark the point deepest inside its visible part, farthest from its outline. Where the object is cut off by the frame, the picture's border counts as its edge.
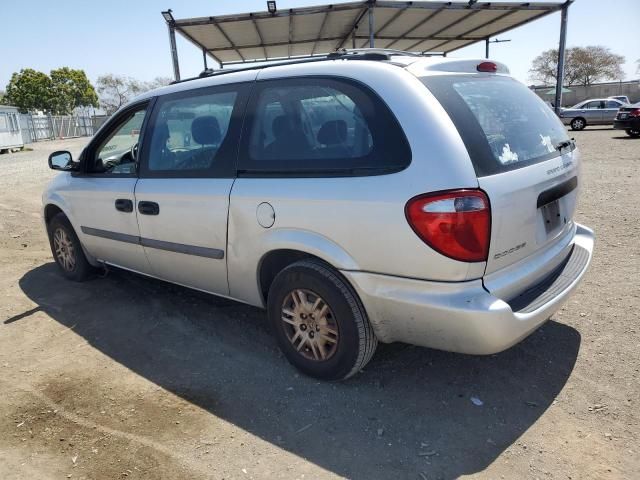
(487, 67)
(635, 112)
(455, 223)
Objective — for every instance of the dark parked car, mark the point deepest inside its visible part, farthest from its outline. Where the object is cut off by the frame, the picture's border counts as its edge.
(628, 119)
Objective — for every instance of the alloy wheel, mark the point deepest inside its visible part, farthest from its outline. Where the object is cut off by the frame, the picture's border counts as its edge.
(65, 252)
(310, 325)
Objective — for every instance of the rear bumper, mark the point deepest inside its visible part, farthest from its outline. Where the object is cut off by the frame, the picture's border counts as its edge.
(627, 123)
(463, 316)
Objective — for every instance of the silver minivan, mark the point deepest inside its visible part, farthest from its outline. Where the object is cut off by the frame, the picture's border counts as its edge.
(361, 197)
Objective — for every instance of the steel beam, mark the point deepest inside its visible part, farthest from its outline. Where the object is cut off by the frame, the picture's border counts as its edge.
(224, 34)
(320, 32)
(353, 28)
(255, 25)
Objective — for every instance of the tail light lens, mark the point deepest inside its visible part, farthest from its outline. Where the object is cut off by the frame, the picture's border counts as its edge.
(635, 112)
(455, 223)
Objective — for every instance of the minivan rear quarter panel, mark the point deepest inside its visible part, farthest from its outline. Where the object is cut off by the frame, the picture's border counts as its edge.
(362, 218)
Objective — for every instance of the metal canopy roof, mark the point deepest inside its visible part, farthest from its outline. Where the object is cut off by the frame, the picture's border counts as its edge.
(413, 26)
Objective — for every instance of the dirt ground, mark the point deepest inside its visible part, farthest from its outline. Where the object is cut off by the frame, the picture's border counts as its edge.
(126, 377)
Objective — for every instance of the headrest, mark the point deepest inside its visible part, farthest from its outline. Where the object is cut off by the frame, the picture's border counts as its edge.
(332, 132)
(206, 130)
(280, 126)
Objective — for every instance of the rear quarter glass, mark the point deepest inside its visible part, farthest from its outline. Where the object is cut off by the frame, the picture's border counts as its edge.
(503, 124)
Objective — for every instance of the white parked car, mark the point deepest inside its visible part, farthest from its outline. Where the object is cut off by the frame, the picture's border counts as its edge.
(367, 196)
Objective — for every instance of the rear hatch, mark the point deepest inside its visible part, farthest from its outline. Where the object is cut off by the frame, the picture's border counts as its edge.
(524, 161)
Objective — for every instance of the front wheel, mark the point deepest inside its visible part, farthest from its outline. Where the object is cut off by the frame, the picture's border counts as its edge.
(319, 322)
(67, 250)
(578, 124)
(633, 132)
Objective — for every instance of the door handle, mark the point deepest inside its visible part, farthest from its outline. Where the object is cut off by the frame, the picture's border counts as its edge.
(124, 205)
(148, 208)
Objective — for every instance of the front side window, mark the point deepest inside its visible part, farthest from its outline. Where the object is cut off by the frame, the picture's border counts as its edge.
(188, 134)
(503, 124)
(117, 153)
(322, 126)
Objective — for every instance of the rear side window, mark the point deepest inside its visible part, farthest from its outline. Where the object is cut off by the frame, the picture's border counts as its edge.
(594, 104)
(322, 126)
(503, 124)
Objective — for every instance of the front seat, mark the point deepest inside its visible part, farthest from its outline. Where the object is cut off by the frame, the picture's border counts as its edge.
(205, 130)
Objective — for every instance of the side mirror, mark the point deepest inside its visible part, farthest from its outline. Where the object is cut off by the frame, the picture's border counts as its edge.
(62, 160)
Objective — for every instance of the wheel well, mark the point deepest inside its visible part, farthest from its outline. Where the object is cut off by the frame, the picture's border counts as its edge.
(273, 263)
(50, 211)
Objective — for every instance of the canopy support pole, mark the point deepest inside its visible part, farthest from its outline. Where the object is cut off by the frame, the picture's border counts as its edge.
(486, 47)
(564, 14)
(204, 58)
(371, 20)
(174, 52)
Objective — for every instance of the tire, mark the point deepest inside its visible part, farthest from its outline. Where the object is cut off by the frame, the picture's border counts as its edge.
(632, 132)
(578, 124)
(296, 290)
(67, 250)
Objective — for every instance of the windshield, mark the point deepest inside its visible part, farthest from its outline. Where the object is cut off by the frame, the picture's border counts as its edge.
(503, 123)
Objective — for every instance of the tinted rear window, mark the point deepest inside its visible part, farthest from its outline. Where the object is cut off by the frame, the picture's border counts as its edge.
(321, 126)
(503, 124)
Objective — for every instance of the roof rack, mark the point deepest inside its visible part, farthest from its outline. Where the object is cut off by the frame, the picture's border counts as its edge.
(379, 54)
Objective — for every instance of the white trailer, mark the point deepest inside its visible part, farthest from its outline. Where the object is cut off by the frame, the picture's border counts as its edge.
(10, 132)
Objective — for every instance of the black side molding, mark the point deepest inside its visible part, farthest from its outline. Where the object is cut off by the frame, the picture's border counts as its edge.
(557, 192)
(206, 252)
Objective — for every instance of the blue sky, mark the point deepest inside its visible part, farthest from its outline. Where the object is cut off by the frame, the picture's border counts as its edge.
(130, 37)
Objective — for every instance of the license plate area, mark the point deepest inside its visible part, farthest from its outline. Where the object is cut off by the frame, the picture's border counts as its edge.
(622, 116)
(551, 216)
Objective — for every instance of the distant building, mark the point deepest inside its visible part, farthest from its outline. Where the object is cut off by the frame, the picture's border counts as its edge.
(578, 93)
(10, 131)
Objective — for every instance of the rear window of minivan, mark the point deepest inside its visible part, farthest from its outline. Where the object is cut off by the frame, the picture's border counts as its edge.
(503, 124)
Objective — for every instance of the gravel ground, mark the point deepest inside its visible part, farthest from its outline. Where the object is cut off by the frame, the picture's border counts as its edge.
(126, 377)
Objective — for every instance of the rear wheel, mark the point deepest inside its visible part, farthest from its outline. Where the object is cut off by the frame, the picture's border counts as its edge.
(578, 124)
(319, 322)
(633, 132)
(67, 250)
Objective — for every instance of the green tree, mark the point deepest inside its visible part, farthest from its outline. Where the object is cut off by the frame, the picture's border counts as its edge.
(582, 66)
(71, 89)
(29, 90)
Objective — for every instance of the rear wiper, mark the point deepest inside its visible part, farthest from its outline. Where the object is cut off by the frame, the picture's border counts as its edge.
(565, 144)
